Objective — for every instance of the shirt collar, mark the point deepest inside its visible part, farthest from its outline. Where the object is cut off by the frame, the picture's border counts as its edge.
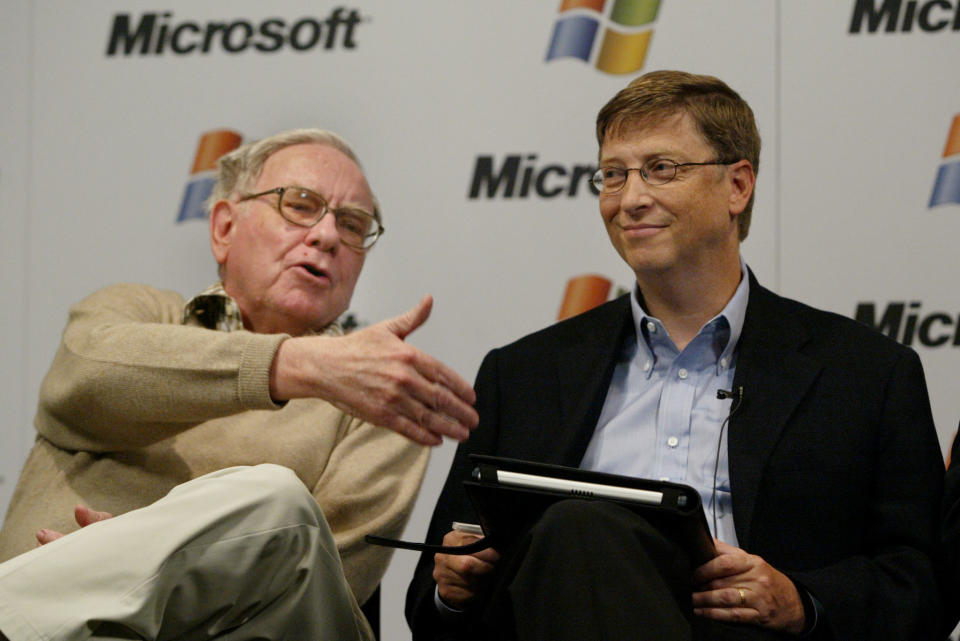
(213, 308)
(733, 315)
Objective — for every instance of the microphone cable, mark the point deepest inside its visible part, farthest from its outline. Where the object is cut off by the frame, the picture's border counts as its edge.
(722, 394)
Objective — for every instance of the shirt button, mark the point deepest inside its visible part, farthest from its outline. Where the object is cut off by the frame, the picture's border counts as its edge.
(651, 327)
(673, 441)
(682, 374)
(646, 366)
(723, 362)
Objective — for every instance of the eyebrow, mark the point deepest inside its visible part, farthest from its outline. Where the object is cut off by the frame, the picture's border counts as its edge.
(645, 157)
(350, 206)
(353, 208)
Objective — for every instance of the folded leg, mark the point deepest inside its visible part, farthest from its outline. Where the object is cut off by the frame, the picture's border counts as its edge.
(237, 554)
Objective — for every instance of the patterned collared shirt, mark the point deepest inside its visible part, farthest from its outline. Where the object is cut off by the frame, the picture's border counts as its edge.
(213, 308)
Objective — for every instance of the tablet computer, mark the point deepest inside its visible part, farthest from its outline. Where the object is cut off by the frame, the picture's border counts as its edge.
(509, 495)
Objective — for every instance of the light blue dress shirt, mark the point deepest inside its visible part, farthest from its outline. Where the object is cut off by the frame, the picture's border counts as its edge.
(662, 419)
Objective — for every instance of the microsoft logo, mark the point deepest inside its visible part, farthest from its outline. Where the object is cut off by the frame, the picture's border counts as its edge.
(625, 30)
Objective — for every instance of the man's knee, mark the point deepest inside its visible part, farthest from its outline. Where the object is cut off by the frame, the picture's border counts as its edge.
(580, 523)
(570, 513)
(277, 490)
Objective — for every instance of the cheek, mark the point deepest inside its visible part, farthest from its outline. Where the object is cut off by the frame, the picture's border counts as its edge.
(609, 206)
(608, 214)
(267, 241)
(352, 265)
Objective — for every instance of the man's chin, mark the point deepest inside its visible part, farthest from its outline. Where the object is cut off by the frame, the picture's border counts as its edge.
(647, 261)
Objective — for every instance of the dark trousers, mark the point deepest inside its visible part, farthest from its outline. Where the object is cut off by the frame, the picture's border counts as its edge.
(593, 570)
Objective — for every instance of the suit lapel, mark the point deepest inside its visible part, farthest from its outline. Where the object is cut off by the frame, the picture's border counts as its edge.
(774, 376)
(773, 372)
(584, 370)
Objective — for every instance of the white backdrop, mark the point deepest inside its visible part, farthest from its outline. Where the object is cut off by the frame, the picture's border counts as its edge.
(98, 150)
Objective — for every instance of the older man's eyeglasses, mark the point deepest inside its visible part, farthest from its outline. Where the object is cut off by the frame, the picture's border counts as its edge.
(306, 208)
(656, 171)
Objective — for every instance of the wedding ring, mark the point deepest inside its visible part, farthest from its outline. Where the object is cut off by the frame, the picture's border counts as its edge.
(743, 597)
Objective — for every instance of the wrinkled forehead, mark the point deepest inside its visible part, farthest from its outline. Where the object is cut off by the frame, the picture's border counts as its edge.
(321, 168)
(635, 126)
(631, 122)
(310, 160)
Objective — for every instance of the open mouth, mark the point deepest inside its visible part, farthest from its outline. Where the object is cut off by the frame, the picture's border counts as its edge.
(315, 271)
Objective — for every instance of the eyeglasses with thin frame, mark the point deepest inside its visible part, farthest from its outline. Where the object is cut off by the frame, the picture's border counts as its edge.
(656, 171)
(305, 208)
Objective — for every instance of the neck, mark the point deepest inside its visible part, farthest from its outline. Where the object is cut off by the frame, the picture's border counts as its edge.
(265, 319)
(267, 325)
(685, 302)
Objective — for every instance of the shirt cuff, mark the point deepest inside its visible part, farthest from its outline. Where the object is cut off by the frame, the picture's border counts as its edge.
(446, 612)
(813, 612)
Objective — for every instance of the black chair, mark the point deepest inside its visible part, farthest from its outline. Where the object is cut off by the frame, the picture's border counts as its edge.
(371, 610)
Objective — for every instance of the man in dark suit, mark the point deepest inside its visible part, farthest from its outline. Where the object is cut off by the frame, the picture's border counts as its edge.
(823, 499)
(951, 535)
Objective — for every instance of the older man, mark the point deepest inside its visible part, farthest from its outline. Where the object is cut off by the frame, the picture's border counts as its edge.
(148, 392)
(823, 491)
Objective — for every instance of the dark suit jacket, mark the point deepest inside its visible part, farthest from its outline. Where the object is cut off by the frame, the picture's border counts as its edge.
(951, 536)
(835, 468)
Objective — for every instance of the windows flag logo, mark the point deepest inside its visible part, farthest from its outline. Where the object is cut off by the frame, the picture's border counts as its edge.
(946, 189)
(212, 145)
(619, 51)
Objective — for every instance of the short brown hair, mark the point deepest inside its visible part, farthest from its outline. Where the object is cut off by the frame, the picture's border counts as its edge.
(722, 117)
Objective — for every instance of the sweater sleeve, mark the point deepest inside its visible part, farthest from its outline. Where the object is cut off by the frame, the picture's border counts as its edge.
(369, 486)
(128, 374)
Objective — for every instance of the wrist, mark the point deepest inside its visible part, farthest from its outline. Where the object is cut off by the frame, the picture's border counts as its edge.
(289, 375)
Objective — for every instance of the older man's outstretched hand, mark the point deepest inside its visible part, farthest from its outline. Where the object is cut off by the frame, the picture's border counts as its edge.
(374, 375)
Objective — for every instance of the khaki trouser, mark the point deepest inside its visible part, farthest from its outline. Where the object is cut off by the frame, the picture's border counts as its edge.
(243, 553)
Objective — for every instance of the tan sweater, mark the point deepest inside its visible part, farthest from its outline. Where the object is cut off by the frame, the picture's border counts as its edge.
(135, 403)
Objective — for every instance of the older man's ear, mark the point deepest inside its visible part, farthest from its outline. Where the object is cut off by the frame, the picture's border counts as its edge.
(222, 217)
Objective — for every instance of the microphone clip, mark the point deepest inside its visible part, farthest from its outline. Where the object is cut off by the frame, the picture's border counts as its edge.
(736, 394)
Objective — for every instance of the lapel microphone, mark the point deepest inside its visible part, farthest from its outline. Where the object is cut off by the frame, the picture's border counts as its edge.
(724, 394)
